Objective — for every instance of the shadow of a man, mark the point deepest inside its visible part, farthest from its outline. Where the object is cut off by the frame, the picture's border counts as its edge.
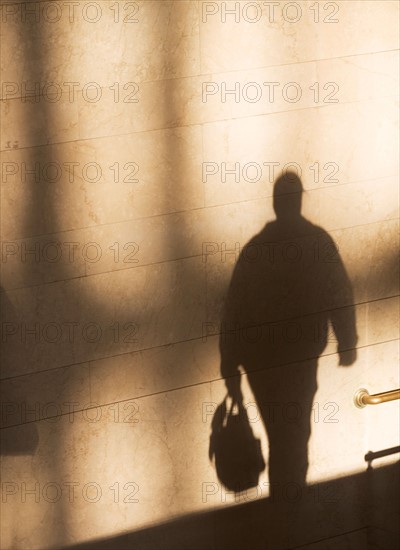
(288, 289)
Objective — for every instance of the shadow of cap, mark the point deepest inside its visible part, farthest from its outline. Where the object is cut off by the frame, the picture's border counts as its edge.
(288, 183)
(288, 190)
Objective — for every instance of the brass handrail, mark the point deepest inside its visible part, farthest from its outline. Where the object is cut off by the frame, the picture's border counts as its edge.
(371, 455)
(362, 398)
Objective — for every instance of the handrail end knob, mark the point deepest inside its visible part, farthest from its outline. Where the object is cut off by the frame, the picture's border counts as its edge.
(359, 398)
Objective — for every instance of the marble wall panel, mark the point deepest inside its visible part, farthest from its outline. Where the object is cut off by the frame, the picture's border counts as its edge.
(110, 450)
(259, 34)
(111, 369)
(128, 376)
(197, 100)
(371, 266)
(197, 232)
(138, 454)
(80, 184)
(312, 139)
(71, 321)
(146, 40)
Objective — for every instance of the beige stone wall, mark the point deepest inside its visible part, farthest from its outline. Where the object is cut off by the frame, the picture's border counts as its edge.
(113, 181)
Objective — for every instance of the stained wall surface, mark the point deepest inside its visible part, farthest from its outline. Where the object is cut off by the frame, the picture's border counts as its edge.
(140, 146)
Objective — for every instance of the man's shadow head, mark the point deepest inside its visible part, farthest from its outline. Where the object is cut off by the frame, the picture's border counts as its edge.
(288, 190)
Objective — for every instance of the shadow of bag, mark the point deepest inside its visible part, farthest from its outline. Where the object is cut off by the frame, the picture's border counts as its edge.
(238, 457)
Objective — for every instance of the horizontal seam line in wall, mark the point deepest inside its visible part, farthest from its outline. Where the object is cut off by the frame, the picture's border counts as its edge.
(198, 338)
(191, 125)
(235, 71)
(311, 543)
(168, 261)
(201, 208)
(187, 386)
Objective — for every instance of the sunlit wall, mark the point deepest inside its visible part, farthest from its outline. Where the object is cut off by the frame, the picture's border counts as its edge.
(140, 143)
